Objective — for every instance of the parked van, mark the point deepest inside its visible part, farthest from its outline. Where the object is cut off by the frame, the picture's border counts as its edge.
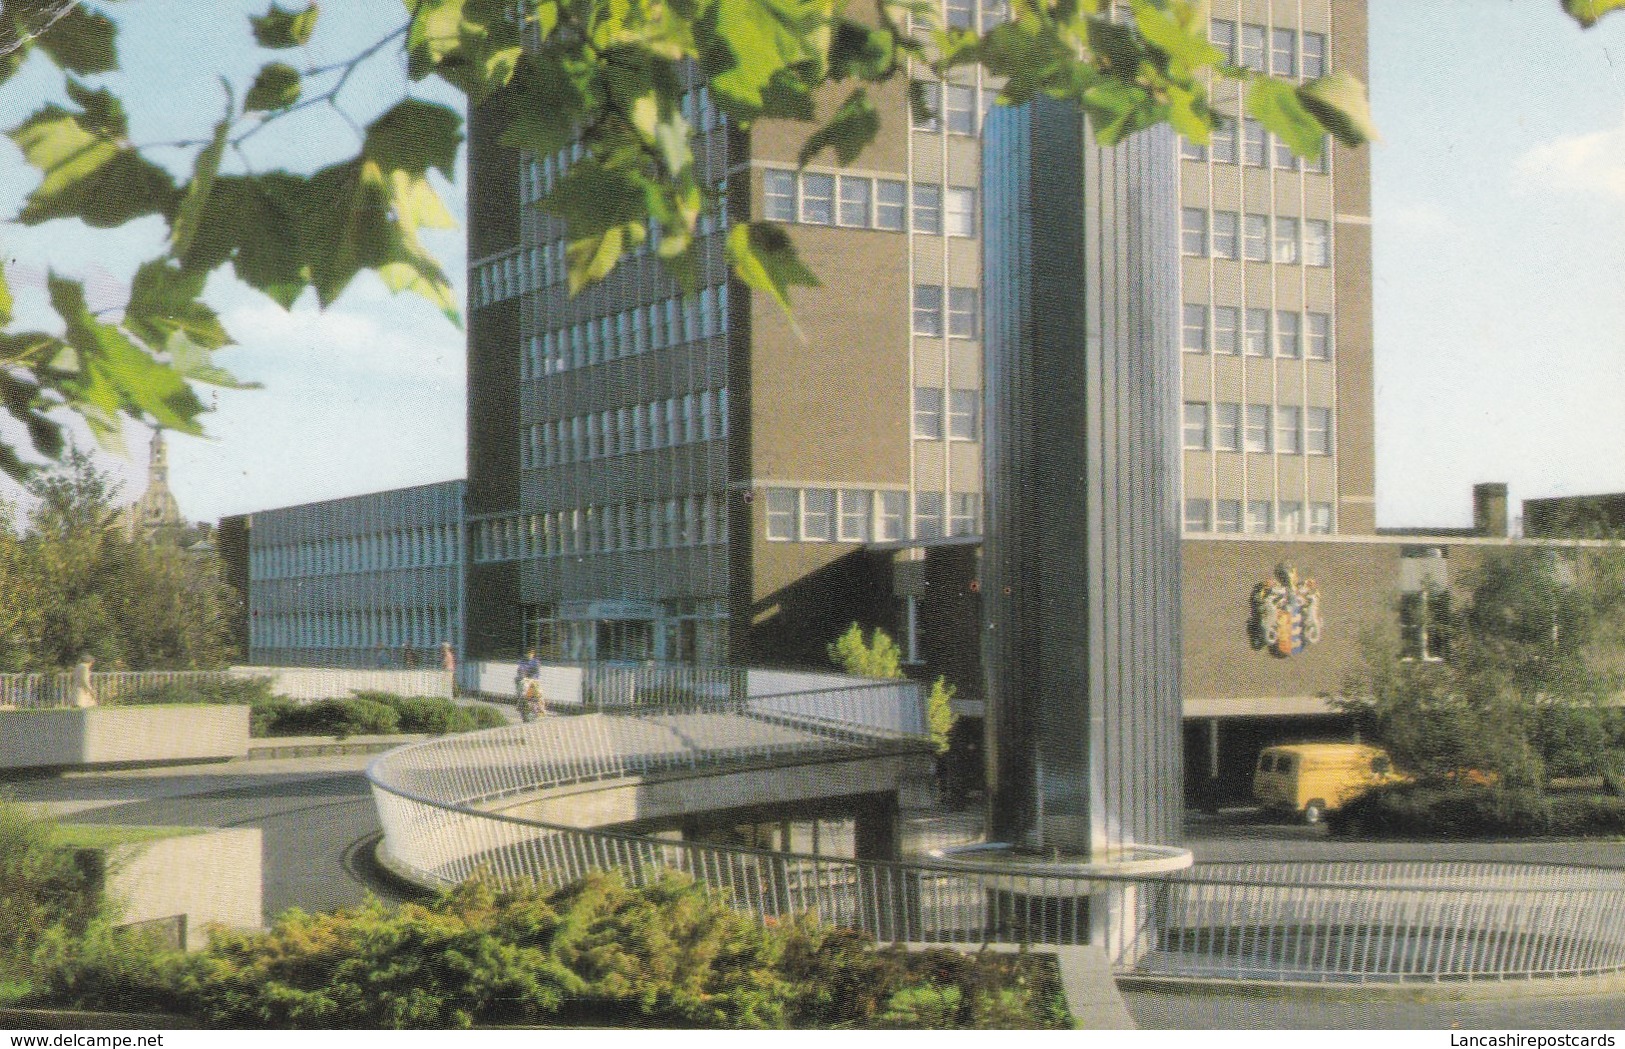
(1312, 779)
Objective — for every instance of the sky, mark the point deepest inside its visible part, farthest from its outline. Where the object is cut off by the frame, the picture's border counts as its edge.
(1499, 247)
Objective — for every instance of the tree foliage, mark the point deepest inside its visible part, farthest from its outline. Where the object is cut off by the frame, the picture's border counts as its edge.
(75, 583)
(1528, 688)
(614, 74)
(876, 657)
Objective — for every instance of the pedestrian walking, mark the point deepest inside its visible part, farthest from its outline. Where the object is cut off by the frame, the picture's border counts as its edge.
(84, 693)
(528, 686)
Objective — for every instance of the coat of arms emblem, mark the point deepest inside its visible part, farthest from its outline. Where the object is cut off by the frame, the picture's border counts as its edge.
(1286, 613)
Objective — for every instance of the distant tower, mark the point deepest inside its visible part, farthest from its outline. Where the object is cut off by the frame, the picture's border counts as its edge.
(155, 515)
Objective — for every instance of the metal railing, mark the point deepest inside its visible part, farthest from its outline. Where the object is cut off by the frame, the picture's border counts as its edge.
(1329, 922)
(55, 689)
(608, 685)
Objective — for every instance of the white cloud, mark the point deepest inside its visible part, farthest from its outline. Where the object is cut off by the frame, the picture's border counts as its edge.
(1590, 163)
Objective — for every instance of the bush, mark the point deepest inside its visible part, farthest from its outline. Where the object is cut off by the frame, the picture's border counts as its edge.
(50, 901)
(877, 658)
(434, 715)
(1445, 810)
(596, 952)
(328, 717)
(249, 690)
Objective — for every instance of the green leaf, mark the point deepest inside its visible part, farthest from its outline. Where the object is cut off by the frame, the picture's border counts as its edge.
(166, 299)
(539, 105)
(90, 171)
(755, 41)
(278, 29)
(848, 132)
(6, 301)
(1589, 12)
(1277, 106)
(80, 41)
(1338, 101)
(764, 258)
(471, 44)
(1185, 41)
(196, 193)
(415, 136)
(255, 223)
(604, 209)
(276, 86)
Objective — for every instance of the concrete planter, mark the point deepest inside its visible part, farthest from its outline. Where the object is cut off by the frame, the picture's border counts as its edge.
(192, 881)
(136, 735)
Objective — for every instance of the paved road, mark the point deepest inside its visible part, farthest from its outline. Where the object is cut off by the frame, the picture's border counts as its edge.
(316, 816)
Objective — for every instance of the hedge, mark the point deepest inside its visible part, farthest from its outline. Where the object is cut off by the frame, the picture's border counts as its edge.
(1458, 810)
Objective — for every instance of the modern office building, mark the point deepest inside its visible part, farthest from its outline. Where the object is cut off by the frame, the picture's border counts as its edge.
(660, 475)
(364, 581)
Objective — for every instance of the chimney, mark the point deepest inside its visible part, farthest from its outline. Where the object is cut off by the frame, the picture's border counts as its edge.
(1490, 509)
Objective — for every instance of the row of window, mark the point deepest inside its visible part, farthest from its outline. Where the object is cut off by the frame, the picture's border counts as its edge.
(1256, 515)
(1236, 331)
(952, 106)
(816, 199)
(958, 416)
(1280, 52)
(955, 312)
(687, 419)
(1257, 147)
(421, 627)
(537, 267)
(1249, 236)
(856, 515)
(1231, 427)
(538, 177)
(962, 14)
(379, 552)
(641, 329)
(652, 524)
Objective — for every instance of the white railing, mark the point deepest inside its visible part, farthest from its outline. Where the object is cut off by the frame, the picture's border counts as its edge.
(55, 689)
(1336, 922)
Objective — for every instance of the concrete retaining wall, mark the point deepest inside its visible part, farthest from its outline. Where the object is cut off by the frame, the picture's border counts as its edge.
(339, 682)
(73, 736)
(213, 878)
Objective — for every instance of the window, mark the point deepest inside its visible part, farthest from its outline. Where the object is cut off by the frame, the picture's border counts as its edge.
(1258, 428)
(1225, 234)
(1227, 515)
(963, 307)
(1256, 238)
(1288, 429)
(925, 115)
(1317, 243)
(818, 199)
(1224, 143)
(1289, 518)
(1256, 341)
(856, 509)
(964, 414)
(1189, 150)
(855, 200)
(1314, 56)
(1198, 515)
(1320, 518)
(961, 109)
(1260, 516)
(889, 205)
(1223, 35)
(1283, 53)
(960, 214)
(1252, 47)
(1286, 239)
(1226, 330)
(962, 14)
(1254, 143)
(927, 208)
(1285, 159)
(1194, 338)
(1317, 431)
(1227, 426)
(928, 515)
(994, 12)
(1424, 625)
(927, 413)
(1287, 341)
(927, 310)
(893, 514)
(1318, 336)
(779, 195)
(1196, 425)
(1192, 231)
(817, 515)
(781, 515)
(965, 514)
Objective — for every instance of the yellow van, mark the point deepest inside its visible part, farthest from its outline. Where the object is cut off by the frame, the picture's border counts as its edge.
(1312, 779)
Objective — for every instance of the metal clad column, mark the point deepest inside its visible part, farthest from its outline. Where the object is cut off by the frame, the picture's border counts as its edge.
(1081, 557)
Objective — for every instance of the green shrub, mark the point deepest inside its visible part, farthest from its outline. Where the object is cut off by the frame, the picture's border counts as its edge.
(434, 715)
(597, 952)
(877, 658)
(335, 717)
(249, 690)
(1445, 810)
(50, 901)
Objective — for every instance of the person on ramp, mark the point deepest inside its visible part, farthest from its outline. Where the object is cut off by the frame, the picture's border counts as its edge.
(528, 685)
